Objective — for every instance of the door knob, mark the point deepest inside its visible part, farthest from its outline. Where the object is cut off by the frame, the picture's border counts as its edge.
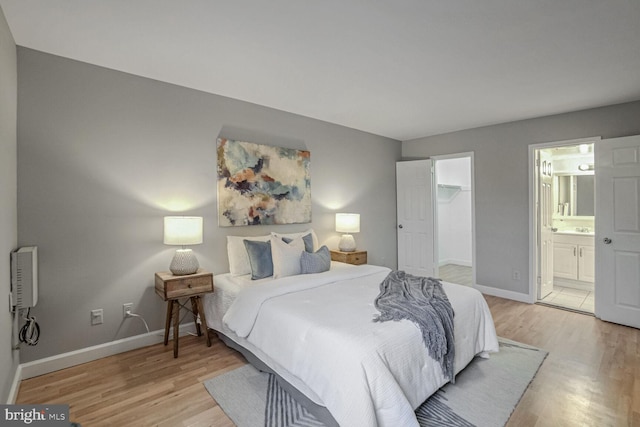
(607, 241)
(400, 226)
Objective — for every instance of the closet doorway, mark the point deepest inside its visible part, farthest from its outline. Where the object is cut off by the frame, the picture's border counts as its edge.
(436, 217)
(454, 218)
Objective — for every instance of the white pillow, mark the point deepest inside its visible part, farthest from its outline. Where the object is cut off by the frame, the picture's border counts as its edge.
(237, 253)
(303, 233)
(286, 256)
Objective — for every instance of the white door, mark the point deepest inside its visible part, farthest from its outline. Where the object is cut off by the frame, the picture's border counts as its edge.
(414, 180)
(545, 224)
(617, 290)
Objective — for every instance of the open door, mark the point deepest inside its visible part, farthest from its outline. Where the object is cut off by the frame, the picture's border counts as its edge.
(414, 183)
(617, 246)
(545, 223)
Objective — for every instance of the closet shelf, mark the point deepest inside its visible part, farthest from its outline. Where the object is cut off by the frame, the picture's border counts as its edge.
(447, 192)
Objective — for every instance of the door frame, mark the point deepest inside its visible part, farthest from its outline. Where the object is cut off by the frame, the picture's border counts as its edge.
(533, 214)
(435, 159)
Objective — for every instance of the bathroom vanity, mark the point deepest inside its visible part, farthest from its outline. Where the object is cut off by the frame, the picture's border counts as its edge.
(574, 256)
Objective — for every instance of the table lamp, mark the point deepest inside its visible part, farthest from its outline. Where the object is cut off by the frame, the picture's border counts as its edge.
(183, 230)
(347, 223)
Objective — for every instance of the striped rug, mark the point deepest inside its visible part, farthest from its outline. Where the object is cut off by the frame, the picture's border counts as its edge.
(283, 411)
(485, 394)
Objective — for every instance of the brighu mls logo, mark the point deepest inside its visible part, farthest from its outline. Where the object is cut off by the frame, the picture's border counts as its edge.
(25, 416)
(36, 415)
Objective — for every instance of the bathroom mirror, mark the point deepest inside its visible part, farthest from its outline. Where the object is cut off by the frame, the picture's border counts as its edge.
(574, 195)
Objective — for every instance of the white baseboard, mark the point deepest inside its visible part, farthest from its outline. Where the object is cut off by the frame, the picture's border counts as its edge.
(84, 355)
(502, 293)
(464, 263)
(573, 284)
(15, 386)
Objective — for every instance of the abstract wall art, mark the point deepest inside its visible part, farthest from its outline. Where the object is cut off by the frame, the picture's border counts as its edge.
(261, 184)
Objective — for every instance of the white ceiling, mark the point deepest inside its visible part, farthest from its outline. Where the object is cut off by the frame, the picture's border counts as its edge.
(398, 68)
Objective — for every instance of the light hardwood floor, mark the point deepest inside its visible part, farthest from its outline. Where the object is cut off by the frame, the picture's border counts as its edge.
(590, 378)
(456, 274)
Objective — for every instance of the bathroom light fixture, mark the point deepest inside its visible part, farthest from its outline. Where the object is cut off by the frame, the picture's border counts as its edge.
(583, 148)
(586, 167)
(183, 230)
(347, 223)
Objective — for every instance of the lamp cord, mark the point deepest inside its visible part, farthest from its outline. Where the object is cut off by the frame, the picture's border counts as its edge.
(141, 318)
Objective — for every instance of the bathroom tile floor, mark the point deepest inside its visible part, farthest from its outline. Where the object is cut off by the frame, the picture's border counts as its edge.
(575, 299)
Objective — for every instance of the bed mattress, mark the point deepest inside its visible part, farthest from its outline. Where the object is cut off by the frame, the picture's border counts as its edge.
(316, 332)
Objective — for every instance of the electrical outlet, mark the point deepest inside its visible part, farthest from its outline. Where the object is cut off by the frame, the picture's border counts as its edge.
(515, 275)
(97, 317)
(126, 309)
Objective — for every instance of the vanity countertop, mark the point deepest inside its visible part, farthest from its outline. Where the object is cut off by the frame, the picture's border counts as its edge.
(576, 233)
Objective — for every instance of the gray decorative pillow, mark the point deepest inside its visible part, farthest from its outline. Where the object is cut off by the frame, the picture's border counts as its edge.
(315, 262)
(308, 242)
(259, 258)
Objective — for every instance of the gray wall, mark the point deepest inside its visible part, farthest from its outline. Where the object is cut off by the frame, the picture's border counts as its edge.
(501, 179)
(104, 155)
(8, 206)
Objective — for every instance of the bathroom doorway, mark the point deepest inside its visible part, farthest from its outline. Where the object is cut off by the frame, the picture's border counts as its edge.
(454, 218)
(564, 210)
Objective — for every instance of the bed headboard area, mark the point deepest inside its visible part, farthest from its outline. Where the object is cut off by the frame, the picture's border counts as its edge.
(276, 254)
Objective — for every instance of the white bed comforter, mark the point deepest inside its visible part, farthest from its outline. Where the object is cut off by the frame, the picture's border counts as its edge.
(319, 327)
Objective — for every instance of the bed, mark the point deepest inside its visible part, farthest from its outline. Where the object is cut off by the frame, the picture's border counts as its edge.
(315, 332)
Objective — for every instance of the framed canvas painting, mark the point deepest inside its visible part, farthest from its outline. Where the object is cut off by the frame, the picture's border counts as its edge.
(261, 184)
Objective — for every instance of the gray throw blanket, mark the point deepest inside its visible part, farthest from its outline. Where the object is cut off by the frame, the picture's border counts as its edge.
(423, 301)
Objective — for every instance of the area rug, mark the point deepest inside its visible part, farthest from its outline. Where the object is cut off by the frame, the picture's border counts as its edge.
(485, 393)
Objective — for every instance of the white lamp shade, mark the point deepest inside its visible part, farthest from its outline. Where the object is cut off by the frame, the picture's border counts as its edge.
(347, 223)
(182, 230)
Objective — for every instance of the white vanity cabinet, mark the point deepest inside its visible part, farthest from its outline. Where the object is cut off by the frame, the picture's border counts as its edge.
(574, 257)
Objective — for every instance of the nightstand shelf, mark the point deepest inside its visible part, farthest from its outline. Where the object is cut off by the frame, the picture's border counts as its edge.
(171, 288)
(355, 258)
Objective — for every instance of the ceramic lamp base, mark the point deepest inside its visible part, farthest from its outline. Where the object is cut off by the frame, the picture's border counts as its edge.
(347, 243)
(184, 262)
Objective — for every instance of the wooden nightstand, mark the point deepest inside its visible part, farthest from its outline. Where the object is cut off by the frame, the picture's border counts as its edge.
(355, 258)
(171, 288)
